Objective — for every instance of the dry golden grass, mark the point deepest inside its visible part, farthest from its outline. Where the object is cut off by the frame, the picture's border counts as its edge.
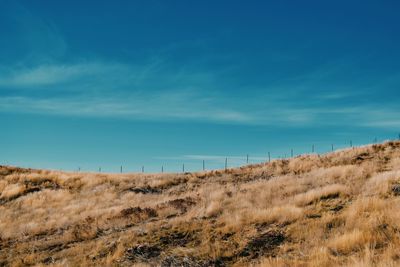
(338, 209)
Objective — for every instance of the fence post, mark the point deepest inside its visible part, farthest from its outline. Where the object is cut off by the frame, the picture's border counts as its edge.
(99, 169)
(183, 167)
(269, 157)
(79, 169)
(351, 143)
(142, 169)
(247, 159)
(162, 169)
(226, 163)
(121, 169)
(291, 152)
(313, 148)
(204, 165)
(332, 147)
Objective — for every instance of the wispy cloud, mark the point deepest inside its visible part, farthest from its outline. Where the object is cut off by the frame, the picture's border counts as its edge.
(52, 74)
(379, 117)
(154, 91)
(158, 89)
(151, 91)
(162, 107)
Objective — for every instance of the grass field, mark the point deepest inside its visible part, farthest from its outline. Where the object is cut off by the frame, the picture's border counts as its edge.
(337, 209)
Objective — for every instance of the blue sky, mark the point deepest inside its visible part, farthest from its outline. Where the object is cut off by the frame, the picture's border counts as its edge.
(99, 83)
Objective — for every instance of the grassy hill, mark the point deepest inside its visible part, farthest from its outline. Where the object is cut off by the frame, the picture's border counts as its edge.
(338, 209)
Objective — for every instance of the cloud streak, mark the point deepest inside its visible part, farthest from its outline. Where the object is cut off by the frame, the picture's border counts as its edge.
(161, 107)
(116, 90)
(160, 90)
(156, 91)
(50, 74)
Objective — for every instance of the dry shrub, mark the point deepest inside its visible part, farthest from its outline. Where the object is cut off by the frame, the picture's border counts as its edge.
(329, 191)
(234, 220)
(351, 241)
(304, 163)
(367, 212)
(12, 190)
(213, 201)
(380, 184)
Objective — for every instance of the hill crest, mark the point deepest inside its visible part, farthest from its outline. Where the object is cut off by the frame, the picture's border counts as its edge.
(336, 209)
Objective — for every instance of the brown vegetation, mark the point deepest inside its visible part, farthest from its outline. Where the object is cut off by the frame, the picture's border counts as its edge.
(338, 209)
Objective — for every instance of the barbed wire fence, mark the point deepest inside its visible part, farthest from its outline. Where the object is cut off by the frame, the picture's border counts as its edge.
(235, 161)
(247, 159)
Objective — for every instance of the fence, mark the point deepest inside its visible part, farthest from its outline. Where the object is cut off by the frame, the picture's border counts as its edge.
(237, 161)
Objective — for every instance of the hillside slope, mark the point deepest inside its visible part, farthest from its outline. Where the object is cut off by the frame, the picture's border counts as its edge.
(336, 209)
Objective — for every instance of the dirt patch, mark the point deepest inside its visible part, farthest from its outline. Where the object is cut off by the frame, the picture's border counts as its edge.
(176, 238)
(44, 183)
(144, 190)
(264, 244)
(182, 204)
(139, 213)
(172, 261)
(143, 253)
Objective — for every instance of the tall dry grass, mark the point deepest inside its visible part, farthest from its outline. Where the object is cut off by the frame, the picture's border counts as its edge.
(338, 209)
